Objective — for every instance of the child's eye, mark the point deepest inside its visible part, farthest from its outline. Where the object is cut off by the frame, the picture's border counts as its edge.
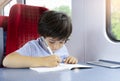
(52, 42)
(62, 42)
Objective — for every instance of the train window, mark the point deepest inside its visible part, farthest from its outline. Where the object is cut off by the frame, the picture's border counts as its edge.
(113, 19)
(61, 5)
(8, 6)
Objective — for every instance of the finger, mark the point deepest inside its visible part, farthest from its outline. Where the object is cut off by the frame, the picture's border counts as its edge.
(54, 64)
(67, 59)
(72, 60)
(76, 61)
(58, 59)
(57, 63)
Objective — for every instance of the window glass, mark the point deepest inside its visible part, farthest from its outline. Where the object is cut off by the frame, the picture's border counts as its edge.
(113, 19)
(58, 5)
(8, 6)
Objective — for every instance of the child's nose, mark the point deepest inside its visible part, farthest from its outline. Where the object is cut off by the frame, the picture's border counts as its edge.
(56, 46)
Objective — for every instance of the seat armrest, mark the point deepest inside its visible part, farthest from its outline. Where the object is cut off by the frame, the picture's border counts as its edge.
(1, 45)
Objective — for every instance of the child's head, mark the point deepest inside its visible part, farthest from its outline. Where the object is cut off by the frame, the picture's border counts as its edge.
(55, 24)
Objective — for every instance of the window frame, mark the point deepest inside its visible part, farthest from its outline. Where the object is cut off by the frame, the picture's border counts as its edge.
(108, 22)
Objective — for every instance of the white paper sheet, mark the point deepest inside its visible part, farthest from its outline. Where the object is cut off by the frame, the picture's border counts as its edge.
(60, 67)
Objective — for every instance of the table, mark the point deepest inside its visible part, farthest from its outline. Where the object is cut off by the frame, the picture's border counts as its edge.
(94, 74)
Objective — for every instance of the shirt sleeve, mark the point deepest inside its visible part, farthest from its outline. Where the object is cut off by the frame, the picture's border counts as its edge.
(26, 50)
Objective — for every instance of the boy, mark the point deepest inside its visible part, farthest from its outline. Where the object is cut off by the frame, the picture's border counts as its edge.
(55, 27)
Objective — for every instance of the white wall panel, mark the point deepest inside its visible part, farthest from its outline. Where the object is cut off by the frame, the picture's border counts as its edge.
(89, 40)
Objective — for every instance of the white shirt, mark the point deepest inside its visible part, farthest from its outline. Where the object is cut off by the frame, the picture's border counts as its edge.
(34, 49)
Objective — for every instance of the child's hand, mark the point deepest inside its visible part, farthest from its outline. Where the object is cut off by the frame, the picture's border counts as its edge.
(51, 61)
(71, 60)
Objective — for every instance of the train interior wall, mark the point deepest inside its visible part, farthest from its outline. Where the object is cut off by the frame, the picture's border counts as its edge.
(89, 41)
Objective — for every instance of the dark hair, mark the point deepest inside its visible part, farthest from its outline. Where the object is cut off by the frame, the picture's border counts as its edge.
(55, 24)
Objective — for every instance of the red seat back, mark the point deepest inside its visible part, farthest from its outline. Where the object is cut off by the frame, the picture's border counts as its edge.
(22, 25)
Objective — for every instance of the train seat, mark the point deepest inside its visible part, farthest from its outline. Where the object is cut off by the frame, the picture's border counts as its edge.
(22, 25)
